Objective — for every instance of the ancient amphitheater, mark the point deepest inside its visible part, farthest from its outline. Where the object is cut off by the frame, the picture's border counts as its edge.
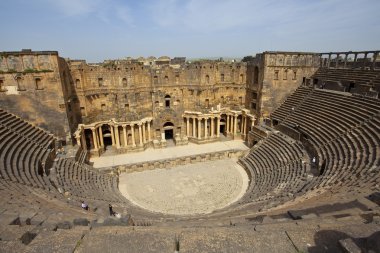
(278, 152)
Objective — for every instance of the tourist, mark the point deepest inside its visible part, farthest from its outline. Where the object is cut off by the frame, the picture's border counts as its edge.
(112, 213)
(85, 206)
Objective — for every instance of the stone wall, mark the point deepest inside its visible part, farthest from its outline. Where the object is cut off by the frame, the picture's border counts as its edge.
(169, 163)
(127, 90)
(33, 87)
(59, 94)
(273, 76)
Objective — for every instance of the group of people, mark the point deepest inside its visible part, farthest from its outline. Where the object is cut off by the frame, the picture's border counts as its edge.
(110, 208)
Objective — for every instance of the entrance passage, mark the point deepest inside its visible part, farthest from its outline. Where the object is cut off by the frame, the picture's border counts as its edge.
(168, 130)
(169, 134)
(107, 139)
(222, 128)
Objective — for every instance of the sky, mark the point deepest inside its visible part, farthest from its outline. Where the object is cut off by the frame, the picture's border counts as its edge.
(96, 30)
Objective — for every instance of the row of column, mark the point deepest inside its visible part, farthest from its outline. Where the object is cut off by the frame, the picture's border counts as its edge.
(375, 55)
(212, 131)
(144, 135)
(199, 122)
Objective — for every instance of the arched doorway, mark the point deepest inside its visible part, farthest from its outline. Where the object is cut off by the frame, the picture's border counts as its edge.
(107, 139)
(88, 137)
(222, 127)
(169, 130)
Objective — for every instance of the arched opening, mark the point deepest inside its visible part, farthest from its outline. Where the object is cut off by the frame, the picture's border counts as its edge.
(124, 82)
(168, 129)
(256, 75)
(77, 83)
(88, 137)
(239, 123)
(167, 101)
(107, 139)
(38, 84)
(222, 127)
(207, 79)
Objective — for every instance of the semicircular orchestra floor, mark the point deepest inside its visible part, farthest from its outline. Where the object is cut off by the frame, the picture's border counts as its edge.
(185, 190)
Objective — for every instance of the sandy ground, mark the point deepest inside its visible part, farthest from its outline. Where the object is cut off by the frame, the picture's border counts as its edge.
(170, 152)
(185, 190)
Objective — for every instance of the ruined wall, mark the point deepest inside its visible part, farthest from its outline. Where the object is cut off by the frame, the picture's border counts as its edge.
(127, 90)
(279, 74)
(31, 87)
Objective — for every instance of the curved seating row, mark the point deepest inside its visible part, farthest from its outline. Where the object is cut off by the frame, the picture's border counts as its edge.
(27, 154)
(278, 167)
(24, 151)
(85, 183)
(344, 129)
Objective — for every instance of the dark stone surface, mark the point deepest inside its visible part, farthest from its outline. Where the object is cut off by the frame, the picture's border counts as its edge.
(81, 222)
(64, 225)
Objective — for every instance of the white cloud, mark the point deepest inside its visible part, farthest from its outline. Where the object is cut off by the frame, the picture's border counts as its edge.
(293, 15)
(105, 10)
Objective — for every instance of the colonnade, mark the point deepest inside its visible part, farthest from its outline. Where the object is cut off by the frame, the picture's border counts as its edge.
(119, 135)
(327, 62)
(208, 126)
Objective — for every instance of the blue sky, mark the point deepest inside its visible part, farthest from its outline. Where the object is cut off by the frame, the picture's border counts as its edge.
(96, 30)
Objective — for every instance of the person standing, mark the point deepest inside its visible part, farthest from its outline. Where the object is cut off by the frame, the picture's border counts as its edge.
(112, 213)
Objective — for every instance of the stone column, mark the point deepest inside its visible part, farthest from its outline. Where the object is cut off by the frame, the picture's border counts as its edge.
(345, 60)
(365, 60)
(212, 127)
(199, 128)
(98, 137)
(355, 59)
(337, 60)
(206, 128)
(218, 127)
(143, 132)
(375, 55)
(78, 140)
(133, 135)
(125, 135)
(94, 140)
(227, 124)
(83, 141)
(112, 136)
(101, 136)
(235, 124)
(244, 124)
(193, 127)
(117, 137)
(231, 124)
(328, 62)
(140, 134)
(149, 138)
(187, 127)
